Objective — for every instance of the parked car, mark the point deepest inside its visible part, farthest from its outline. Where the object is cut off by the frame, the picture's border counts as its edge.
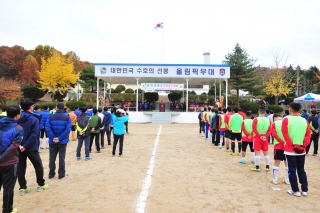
(253, 99)
(281, 102)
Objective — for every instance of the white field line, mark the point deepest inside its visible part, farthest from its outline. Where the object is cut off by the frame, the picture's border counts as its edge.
(188, 133)
(140, 208)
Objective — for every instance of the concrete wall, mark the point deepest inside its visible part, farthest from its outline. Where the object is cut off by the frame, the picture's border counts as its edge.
(139, 117)
(183, 117)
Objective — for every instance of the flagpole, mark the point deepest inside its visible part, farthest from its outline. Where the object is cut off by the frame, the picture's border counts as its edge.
(163, 41)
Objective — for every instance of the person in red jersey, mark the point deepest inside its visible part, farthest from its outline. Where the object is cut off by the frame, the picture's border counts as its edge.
(276, 131)
(261, 127)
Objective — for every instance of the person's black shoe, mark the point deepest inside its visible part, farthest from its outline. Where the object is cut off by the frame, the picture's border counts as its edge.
(66, 175)
(50, 176)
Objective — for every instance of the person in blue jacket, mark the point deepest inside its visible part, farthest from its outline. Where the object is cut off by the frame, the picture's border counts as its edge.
(44, 117)
(107, 127)
(305, 115)
(118, 120)
(29, 147)
(77, 111)
(10, 140)
(58, 127)
(89, 111)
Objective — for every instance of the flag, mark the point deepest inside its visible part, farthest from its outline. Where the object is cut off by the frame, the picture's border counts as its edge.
(158, 26)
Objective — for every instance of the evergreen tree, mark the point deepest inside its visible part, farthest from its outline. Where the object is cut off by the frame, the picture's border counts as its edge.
(88, 80)
(34, 92)
(243, 73)
(290, 77)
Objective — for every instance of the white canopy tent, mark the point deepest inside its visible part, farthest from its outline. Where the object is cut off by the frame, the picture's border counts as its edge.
(306, 99)
(197, 74)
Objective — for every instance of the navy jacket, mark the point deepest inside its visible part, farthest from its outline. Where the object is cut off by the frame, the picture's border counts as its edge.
(11, 135)
(58, 126)
(30, 125)
(38, 115)
(305, 115)
(107, 119)
(45, 116)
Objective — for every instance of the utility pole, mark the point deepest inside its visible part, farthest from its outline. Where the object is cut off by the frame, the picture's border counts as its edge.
(298, 70)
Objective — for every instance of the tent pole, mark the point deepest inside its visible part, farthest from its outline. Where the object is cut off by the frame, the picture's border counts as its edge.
(215, 91)
(98, 92)
(137, 95)
(187, 96)
(226, 92)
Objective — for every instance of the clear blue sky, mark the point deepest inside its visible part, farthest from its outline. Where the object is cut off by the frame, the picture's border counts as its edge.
(122, 31)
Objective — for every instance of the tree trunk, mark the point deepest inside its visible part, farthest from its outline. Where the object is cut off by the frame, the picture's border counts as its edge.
(276, 99)
(52, 97)
(238, 97)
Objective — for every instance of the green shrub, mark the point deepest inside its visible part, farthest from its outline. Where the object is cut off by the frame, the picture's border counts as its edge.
(32, 91)
(275, 108)
(51, 105)
(124, 97)
(3, 106)
(89, 97)
(270, 100)
(129, 90)
(232, 100)
(203, 97)
(193, 98)
(151, 96)
(246, 106)
(120, 88)
(72, 104)
(174, 96)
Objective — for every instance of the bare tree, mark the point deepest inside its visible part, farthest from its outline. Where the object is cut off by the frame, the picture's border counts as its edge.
(279, 56)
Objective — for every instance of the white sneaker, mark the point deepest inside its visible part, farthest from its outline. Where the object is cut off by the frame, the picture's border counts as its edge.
(304, 193)
(297, 194)
(286, 182)
(274, 181)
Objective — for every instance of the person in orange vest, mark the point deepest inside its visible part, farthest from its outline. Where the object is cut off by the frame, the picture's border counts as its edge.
(247, 135)
(278, 149)
(208, 119)
(204, 114)
(234, 124)
(227, 133)
(261, 127)
(73, 118)
(297, 133)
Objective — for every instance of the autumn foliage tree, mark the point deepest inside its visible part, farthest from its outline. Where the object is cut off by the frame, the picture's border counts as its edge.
(57, 74)
(276, 85)
(42, 52)
(9, 89)
(29, 75)
(11, 60)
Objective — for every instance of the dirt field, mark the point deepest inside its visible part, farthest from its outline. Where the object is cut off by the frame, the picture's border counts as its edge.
(189, 175)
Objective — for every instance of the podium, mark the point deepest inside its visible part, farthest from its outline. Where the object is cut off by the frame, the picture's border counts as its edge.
(162, 107)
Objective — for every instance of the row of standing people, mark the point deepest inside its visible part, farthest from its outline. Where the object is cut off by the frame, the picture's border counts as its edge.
(292, 136)
(20, 133)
